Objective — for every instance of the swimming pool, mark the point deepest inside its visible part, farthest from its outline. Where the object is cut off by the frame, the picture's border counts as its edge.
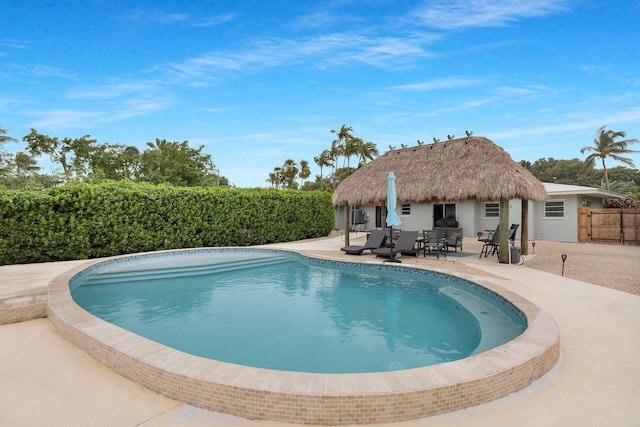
(312, 398)
(279, 310)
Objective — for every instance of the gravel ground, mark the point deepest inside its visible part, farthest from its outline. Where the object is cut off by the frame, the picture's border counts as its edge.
(612, 266)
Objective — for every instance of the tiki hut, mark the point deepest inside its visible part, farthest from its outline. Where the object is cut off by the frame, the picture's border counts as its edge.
(457, 170)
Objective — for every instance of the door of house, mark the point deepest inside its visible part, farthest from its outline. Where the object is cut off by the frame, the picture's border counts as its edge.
(446, 210)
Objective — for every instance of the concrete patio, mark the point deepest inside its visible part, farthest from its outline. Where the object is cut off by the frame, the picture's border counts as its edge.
(44, 380)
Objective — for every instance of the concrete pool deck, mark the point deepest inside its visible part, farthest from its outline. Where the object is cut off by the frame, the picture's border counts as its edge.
(45, 380)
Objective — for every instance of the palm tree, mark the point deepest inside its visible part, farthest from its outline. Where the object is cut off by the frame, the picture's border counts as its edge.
(368, 150)
(131, 160)
(352, 146)
(304, 171)
(5, 158)
(605, 145)
(289, 173)
(324, 159)
(339, 145)
(275, 177)
(25, 164)
(4, 138)
(335, 153)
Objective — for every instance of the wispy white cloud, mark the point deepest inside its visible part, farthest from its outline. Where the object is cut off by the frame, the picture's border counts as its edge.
(112, 91)
(125, 100)
(48, 71)
(14, 43)
(36, 72)
(316, 20)
(454, 14)
(216, 110)
(322, 51)
(446, 83)
(60, 119)
(135, 107)
(212, 21)
(593, 122)
(155, 16)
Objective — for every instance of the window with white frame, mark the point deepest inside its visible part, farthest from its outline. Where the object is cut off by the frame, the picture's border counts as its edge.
(405, 210)
(554, 209)
(492, 210)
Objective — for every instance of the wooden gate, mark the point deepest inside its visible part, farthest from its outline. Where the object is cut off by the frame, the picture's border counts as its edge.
(609, 225)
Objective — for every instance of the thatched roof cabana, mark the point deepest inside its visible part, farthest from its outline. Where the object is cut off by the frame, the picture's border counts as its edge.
(450, 171)
(457, 170)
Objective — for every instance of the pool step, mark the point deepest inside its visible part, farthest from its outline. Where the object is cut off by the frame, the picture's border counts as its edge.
(183, 271)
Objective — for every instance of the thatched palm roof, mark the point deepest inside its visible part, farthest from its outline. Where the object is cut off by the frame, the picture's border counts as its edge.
(450, 171)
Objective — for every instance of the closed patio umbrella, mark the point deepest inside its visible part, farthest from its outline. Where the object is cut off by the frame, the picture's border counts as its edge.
(392, 217)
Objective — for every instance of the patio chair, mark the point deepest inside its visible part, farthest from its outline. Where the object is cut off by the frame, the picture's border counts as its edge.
(434, 240)
(405, 245)
(491, 243)
(374, 241)
(454, 241)
(512, 232)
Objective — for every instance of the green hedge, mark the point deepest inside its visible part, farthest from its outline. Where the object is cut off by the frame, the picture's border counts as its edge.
(87, 221)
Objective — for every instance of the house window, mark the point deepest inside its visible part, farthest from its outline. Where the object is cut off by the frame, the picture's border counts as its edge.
(492, 210)
(405, 210)
(554, 209)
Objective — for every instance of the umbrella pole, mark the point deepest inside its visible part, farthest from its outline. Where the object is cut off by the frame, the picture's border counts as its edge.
(347, 226)
(392, 255)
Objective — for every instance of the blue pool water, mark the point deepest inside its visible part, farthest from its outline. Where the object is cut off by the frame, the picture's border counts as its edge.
(280, 310)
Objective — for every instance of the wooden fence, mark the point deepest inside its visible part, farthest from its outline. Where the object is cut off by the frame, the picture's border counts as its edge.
(609, 225)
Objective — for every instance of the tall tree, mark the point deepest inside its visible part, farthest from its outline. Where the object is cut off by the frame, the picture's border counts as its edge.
(176, 163)
(352, 147)
(367, 151)
(324, 159)
(304, 172)
(338, 146)
(289, 173)
(73, 155)
(114, 161)
(4, 138)
(5, 158)
(335, 153)
(607, 145)
(275, 177)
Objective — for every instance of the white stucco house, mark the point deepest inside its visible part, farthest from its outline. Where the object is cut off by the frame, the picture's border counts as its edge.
(556, 218)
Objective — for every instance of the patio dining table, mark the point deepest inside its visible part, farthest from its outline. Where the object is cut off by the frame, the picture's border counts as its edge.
(428, 244)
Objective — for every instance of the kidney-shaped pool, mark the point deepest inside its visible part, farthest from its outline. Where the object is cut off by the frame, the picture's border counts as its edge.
(269, 334)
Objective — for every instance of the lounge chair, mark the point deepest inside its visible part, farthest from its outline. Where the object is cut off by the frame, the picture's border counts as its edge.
(491, 243)
(374, 241)
(405, 245)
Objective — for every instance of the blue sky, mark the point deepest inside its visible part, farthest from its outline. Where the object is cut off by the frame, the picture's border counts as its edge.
(258, 82)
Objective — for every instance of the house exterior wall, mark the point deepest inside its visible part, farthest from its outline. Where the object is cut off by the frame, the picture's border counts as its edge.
(420, 218)
(563, 228)
(471, 216)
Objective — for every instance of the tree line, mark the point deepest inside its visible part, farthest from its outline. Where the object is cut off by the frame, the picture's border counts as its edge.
(607, 144)
(344, 146)
(83, 159)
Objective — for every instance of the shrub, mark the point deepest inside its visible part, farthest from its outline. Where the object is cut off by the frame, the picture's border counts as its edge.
(85, 221)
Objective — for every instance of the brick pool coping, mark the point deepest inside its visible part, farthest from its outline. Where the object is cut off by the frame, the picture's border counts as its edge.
(308, 398)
